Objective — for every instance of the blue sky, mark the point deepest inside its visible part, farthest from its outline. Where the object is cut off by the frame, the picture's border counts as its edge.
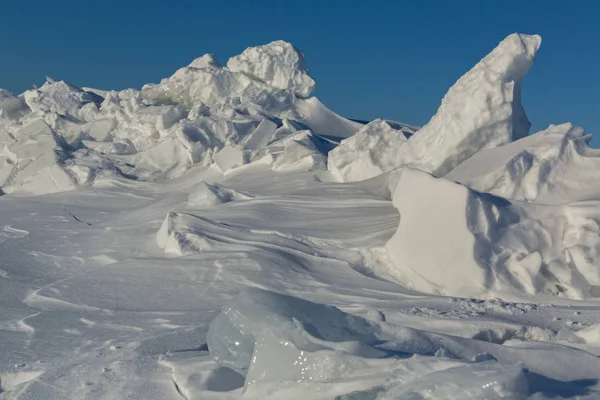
(388, 59)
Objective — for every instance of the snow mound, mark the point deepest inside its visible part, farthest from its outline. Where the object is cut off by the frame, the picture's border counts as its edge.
(210, 194)
(278, 64)
(454, 241)
(554, 166)
(481, 111)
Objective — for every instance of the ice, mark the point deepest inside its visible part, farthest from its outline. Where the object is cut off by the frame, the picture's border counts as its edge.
(10, 105)
(100, 130)
(273, 338)
(481, 111)
(229, 157)
(278, 64)
(58, 97)
(261, 136)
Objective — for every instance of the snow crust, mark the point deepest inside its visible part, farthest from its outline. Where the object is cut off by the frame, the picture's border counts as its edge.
(193, 240)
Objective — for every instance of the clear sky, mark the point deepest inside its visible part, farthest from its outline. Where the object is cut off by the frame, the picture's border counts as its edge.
(390, 59)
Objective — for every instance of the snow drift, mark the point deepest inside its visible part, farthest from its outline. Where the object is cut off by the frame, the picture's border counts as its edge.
(455, 241)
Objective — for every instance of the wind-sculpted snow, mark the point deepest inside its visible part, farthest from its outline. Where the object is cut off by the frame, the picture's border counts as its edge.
(554, 166)
(455, 241)
(481, 111)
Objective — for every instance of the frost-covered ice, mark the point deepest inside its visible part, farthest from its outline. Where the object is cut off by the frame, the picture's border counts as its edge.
(192, 240)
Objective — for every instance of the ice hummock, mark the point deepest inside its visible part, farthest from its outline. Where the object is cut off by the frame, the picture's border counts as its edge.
(204, 114)
(278, 64)
(481, 110)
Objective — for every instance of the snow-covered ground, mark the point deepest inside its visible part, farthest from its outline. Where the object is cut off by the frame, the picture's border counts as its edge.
(223, 235)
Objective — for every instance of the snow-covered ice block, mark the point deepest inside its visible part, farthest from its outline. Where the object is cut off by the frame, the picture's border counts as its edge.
(169, 157)
(275, 339)
(371, 151)
(59, 97)
(481, 110)
(278, 64)
(11, 105)
(100, 130)
(299, 151)
(554, 166)
(258, 325)
(455, 241)
(206, 61)
(260, 137)
(229, 157)
(119, 147)
(201, 83)
(433, 247)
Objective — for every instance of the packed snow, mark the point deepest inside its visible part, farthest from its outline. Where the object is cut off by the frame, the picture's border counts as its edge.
(223, 235)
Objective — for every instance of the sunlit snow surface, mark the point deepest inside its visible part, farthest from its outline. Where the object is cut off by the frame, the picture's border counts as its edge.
(188, 241)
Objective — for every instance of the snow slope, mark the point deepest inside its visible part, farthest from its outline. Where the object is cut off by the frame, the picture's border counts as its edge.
(191, 240)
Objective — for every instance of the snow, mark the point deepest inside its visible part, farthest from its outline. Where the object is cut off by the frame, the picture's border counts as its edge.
(221, 235)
